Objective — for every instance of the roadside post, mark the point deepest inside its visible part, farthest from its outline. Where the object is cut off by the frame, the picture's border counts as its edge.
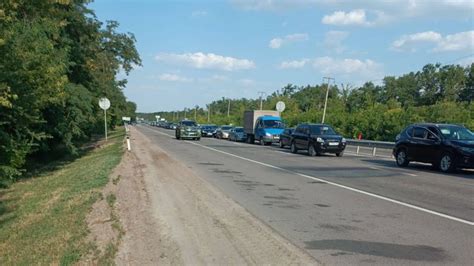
(104, 104)
(126, 120)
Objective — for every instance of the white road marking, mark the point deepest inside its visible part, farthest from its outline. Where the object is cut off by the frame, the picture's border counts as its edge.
(410, 174)
(335, 184)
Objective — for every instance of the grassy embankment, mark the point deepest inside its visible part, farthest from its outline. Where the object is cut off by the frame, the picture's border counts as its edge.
(43, 218)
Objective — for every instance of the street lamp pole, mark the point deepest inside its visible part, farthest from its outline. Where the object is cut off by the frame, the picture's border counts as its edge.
(228, 109)
(261, 98)
(327, 94)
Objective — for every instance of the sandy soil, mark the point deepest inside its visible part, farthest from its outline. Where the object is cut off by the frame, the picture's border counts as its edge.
(172, 216)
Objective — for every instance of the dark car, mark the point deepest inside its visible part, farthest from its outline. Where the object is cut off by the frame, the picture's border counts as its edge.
(223, 132)
(237, 134)
(188, 129)
(445, 146)
(317, 139)
(208, 130)
(285, 137)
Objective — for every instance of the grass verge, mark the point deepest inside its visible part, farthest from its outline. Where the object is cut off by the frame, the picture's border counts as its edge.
(43, 219)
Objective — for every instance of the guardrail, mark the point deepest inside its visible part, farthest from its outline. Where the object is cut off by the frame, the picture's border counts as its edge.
(371, 147)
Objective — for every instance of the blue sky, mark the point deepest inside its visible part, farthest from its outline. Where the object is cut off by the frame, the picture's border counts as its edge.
(194, 52)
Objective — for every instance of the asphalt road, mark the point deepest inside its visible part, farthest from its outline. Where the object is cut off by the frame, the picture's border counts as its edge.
(349, 210)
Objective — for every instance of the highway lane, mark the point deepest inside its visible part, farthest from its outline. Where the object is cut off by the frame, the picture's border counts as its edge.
(334, 224)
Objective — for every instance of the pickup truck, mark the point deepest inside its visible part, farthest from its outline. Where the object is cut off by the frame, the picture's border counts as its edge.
(263, 125)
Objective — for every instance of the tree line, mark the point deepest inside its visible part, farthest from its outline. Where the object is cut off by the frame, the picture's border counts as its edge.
(57, 59)
(436, 93)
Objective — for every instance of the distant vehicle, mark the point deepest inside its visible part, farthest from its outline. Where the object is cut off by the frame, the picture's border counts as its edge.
(285, 137)
(223, 132)
(445, 146)
(317, 139)
(237, 134)
(188, 129)
(208, 130)
(173, 126)
(263, 125)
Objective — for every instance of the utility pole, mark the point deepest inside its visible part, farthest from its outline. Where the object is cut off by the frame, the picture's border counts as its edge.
(327, 94)
(195, 111)
(209, 113)
(185, 113)
(228, 109)
(261, 98)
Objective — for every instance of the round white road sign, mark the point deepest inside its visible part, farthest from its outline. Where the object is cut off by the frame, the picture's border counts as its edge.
(280, 106)
(104, 103)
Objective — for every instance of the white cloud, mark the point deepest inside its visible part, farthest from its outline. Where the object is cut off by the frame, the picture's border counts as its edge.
(294, 63)
(357, 17)
(462, 41)
(396, 8)
(276, 43)
(356, 69)
(348, 67)
(173, 77)
(205, 61)
(333, 41)
(406, 42)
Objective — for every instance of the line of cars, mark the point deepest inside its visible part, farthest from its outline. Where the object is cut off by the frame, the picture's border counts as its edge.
(445, 146)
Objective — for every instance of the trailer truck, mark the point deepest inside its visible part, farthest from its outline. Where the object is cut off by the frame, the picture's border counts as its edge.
(263, 126)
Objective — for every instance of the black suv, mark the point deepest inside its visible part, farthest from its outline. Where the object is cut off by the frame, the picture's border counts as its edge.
(445, 146)
(317, 139)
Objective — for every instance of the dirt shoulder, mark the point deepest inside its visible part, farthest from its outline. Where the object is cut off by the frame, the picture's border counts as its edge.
(172, 216)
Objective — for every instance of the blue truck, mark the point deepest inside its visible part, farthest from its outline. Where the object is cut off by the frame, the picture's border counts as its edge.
(263, 126)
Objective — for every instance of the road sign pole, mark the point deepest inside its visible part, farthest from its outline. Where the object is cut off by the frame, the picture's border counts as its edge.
(104, 104)
(105, 124)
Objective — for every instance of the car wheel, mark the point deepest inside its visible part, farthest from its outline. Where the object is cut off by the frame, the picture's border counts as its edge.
(402, 159)
(282, 145)
(339, 154)
(446, 163)
(198, 138)
(293, 148)
(311, 151)
(262, 142)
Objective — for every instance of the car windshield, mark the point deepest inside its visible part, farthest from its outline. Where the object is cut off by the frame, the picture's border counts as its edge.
(226, 128)
(456, 133)
(209, 127)
(239, 129)
(189, 123)
(322, 130)
(273, 124)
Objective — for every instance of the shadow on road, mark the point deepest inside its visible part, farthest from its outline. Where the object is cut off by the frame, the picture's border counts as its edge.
(387, 250)
(427, 168)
